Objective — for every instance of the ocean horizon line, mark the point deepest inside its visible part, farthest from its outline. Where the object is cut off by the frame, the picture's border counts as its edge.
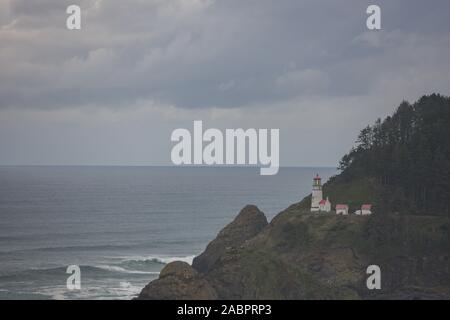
(154, 166)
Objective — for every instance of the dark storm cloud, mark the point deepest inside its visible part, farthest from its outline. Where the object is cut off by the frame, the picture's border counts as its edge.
(205, 53)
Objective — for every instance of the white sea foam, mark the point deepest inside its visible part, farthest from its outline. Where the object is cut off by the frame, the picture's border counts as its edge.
(123, 270)
(112, 290)
(157, 258)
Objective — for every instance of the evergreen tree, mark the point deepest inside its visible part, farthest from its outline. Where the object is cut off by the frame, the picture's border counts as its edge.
(409, 155)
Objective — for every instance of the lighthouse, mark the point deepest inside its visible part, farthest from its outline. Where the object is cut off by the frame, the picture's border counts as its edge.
(317, 195)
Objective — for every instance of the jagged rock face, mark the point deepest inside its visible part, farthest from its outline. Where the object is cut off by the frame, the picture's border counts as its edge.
(179, 281)
(249, 222)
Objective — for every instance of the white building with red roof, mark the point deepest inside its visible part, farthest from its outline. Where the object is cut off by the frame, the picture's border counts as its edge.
(342, 209)
(325, 205)
(366, 209)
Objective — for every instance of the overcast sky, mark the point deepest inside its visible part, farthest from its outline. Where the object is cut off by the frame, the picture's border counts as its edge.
(113, 92)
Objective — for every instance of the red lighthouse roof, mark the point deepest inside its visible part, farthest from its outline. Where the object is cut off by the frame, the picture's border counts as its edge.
(317, 177)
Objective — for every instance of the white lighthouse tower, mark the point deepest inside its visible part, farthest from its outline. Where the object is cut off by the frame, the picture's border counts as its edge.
(316, 193)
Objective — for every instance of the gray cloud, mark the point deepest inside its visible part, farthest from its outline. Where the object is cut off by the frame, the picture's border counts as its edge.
(112, 92)
(185, 52)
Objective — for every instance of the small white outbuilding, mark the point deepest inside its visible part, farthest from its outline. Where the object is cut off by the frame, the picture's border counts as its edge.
(342, 209)
(366, 209)
(325, 205)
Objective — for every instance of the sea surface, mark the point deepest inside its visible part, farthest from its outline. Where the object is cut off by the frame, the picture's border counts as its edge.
(121, 225)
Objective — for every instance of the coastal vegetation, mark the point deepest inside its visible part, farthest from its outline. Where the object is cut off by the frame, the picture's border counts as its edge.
(403, 162)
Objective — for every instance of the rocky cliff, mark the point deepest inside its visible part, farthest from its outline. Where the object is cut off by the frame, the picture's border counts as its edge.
(300, 255)
(249, 222)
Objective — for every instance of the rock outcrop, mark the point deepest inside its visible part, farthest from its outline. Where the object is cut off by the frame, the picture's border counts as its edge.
(178, 280)
(248, 223)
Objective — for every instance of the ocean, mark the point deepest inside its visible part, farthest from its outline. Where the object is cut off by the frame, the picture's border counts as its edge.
(121, 225)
